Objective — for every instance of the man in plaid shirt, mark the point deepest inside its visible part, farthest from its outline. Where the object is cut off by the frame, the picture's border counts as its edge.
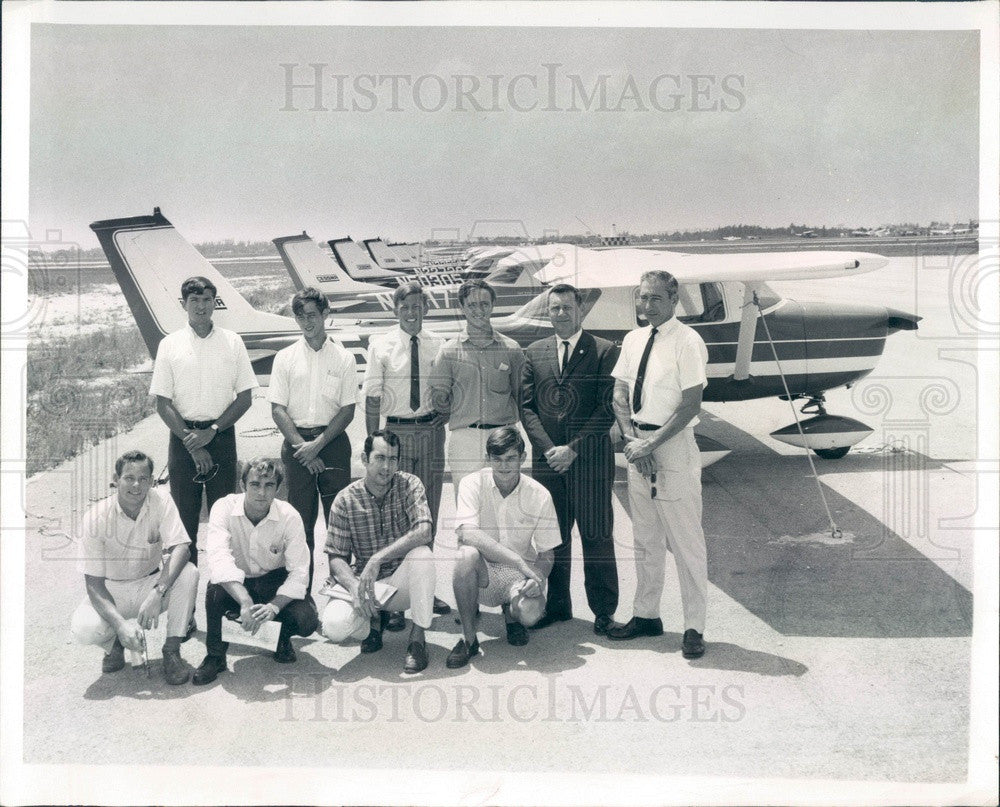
(384, 523)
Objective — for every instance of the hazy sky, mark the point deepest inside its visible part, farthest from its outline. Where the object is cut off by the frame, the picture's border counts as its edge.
(859, 128)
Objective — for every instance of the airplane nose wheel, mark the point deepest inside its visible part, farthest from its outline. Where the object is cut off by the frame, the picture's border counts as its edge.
(816, 405)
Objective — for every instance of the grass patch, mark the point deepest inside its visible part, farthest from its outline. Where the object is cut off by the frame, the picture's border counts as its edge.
(81, 390)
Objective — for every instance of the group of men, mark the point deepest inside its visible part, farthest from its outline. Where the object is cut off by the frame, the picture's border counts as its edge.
(513, 531)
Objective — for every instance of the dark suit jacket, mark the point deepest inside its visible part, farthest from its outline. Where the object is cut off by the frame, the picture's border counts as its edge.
(574, 410)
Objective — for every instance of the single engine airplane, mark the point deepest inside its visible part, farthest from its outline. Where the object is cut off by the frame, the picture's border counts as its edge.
(820, 346)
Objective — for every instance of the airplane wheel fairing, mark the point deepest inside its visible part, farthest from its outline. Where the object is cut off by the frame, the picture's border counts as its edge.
(824, 433)
(832, 453)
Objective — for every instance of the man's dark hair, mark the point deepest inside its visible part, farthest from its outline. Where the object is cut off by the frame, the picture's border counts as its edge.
(133, 456)
(197, 285)
(660, 276)
(503, 440)
(309, 295)
(470, 286)
(566, 288)
(390, 438)
(265, 468)
(404, 290)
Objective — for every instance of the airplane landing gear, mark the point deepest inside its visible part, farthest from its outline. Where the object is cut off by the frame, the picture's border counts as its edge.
(829, 436)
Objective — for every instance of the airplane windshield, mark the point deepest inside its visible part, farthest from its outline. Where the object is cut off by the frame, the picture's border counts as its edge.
(696, 302)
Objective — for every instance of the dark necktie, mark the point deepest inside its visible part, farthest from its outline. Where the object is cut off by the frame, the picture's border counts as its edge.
(414, 375)
(637, 391)
(565, 359)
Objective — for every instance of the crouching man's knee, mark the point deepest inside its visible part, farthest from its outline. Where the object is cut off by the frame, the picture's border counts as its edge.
(88, 627)
(341, 622)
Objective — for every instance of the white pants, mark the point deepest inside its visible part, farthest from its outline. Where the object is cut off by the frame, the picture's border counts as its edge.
(414, 581)
(88, 627)
(673, 516)
(467, 452)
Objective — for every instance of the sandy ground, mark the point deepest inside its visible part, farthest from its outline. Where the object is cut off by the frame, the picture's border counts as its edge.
(830, 660)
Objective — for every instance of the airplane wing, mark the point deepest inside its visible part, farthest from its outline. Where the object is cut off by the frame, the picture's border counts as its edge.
(587, 268)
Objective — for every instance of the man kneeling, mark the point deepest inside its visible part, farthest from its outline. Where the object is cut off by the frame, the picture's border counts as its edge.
(383, 521)
(507, 528)
(123, 540)
(258, 564)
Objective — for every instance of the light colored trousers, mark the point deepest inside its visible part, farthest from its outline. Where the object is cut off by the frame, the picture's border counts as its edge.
(413, 580)
(673, 516)
(88, 627)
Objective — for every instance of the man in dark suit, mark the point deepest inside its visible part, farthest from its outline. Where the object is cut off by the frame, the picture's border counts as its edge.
(566, 398)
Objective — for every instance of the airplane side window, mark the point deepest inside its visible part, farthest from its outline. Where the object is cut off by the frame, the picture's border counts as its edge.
(715, 308)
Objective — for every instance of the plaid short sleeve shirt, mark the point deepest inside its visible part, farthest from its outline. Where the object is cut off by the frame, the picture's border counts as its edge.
(359, 527)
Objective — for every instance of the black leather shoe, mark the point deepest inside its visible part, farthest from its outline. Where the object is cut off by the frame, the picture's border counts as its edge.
(516, 634)
(441, 607)
(373, 642)
(284, 653)
(416, 657)
(602, 623)
(461, 654)
(396, 621)
(550, 619)
(692, 646)
(637, 626)
(115, 660)
(209, 670)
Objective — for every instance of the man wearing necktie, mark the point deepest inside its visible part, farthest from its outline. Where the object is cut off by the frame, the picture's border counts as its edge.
(659, 380)
(397, 387)
(566, 396)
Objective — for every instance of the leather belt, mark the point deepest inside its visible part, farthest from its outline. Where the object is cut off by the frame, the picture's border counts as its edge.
(487, 425)
(198, 424)
(644, 427)
(313, 431)
(408, 421)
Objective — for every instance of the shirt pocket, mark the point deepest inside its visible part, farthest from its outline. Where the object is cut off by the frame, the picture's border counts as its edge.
(498, 381)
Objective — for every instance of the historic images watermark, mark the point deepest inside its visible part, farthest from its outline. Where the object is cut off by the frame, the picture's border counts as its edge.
(318, 87)
(315, 697)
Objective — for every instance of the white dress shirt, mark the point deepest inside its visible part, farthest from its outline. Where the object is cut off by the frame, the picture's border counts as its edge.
(677, 362)
(117, 547)
(387, 375)
(572, 346)
(201, 376)
(238, 549)
(524, 521)
(314, 385)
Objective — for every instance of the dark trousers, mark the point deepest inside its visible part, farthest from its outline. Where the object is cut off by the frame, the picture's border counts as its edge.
(421, 453)
(298, 618)
(187, 494)
(583, 495)
(307, 490)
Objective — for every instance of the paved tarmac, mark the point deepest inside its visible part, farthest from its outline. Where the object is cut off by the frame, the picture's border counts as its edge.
(829, 659)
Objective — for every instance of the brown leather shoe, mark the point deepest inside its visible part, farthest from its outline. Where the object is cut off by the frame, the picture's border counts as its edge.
(115, 660)
(637, 626)
(175, 671)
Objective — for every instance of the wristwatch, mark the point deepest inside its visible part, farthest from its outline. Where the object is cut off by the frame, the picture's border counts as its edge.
(160, 588)
(214, 427)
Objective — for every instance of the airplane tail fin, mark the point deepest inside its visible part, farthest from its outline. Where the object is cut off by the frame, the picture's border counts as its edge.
(151, 260)
(359, 264)
(388, 257)
(308, 265)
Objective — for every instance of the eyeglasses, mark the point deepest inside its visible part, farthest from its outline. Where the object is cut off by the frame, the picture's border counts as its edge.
(207, 476)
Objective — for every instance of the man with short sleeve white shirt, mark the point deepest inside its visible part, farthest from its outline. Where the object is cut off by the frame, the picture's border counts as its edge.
(202, 380)
(659, 380)
(507, 528)
(313, 394)
(124, 539)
